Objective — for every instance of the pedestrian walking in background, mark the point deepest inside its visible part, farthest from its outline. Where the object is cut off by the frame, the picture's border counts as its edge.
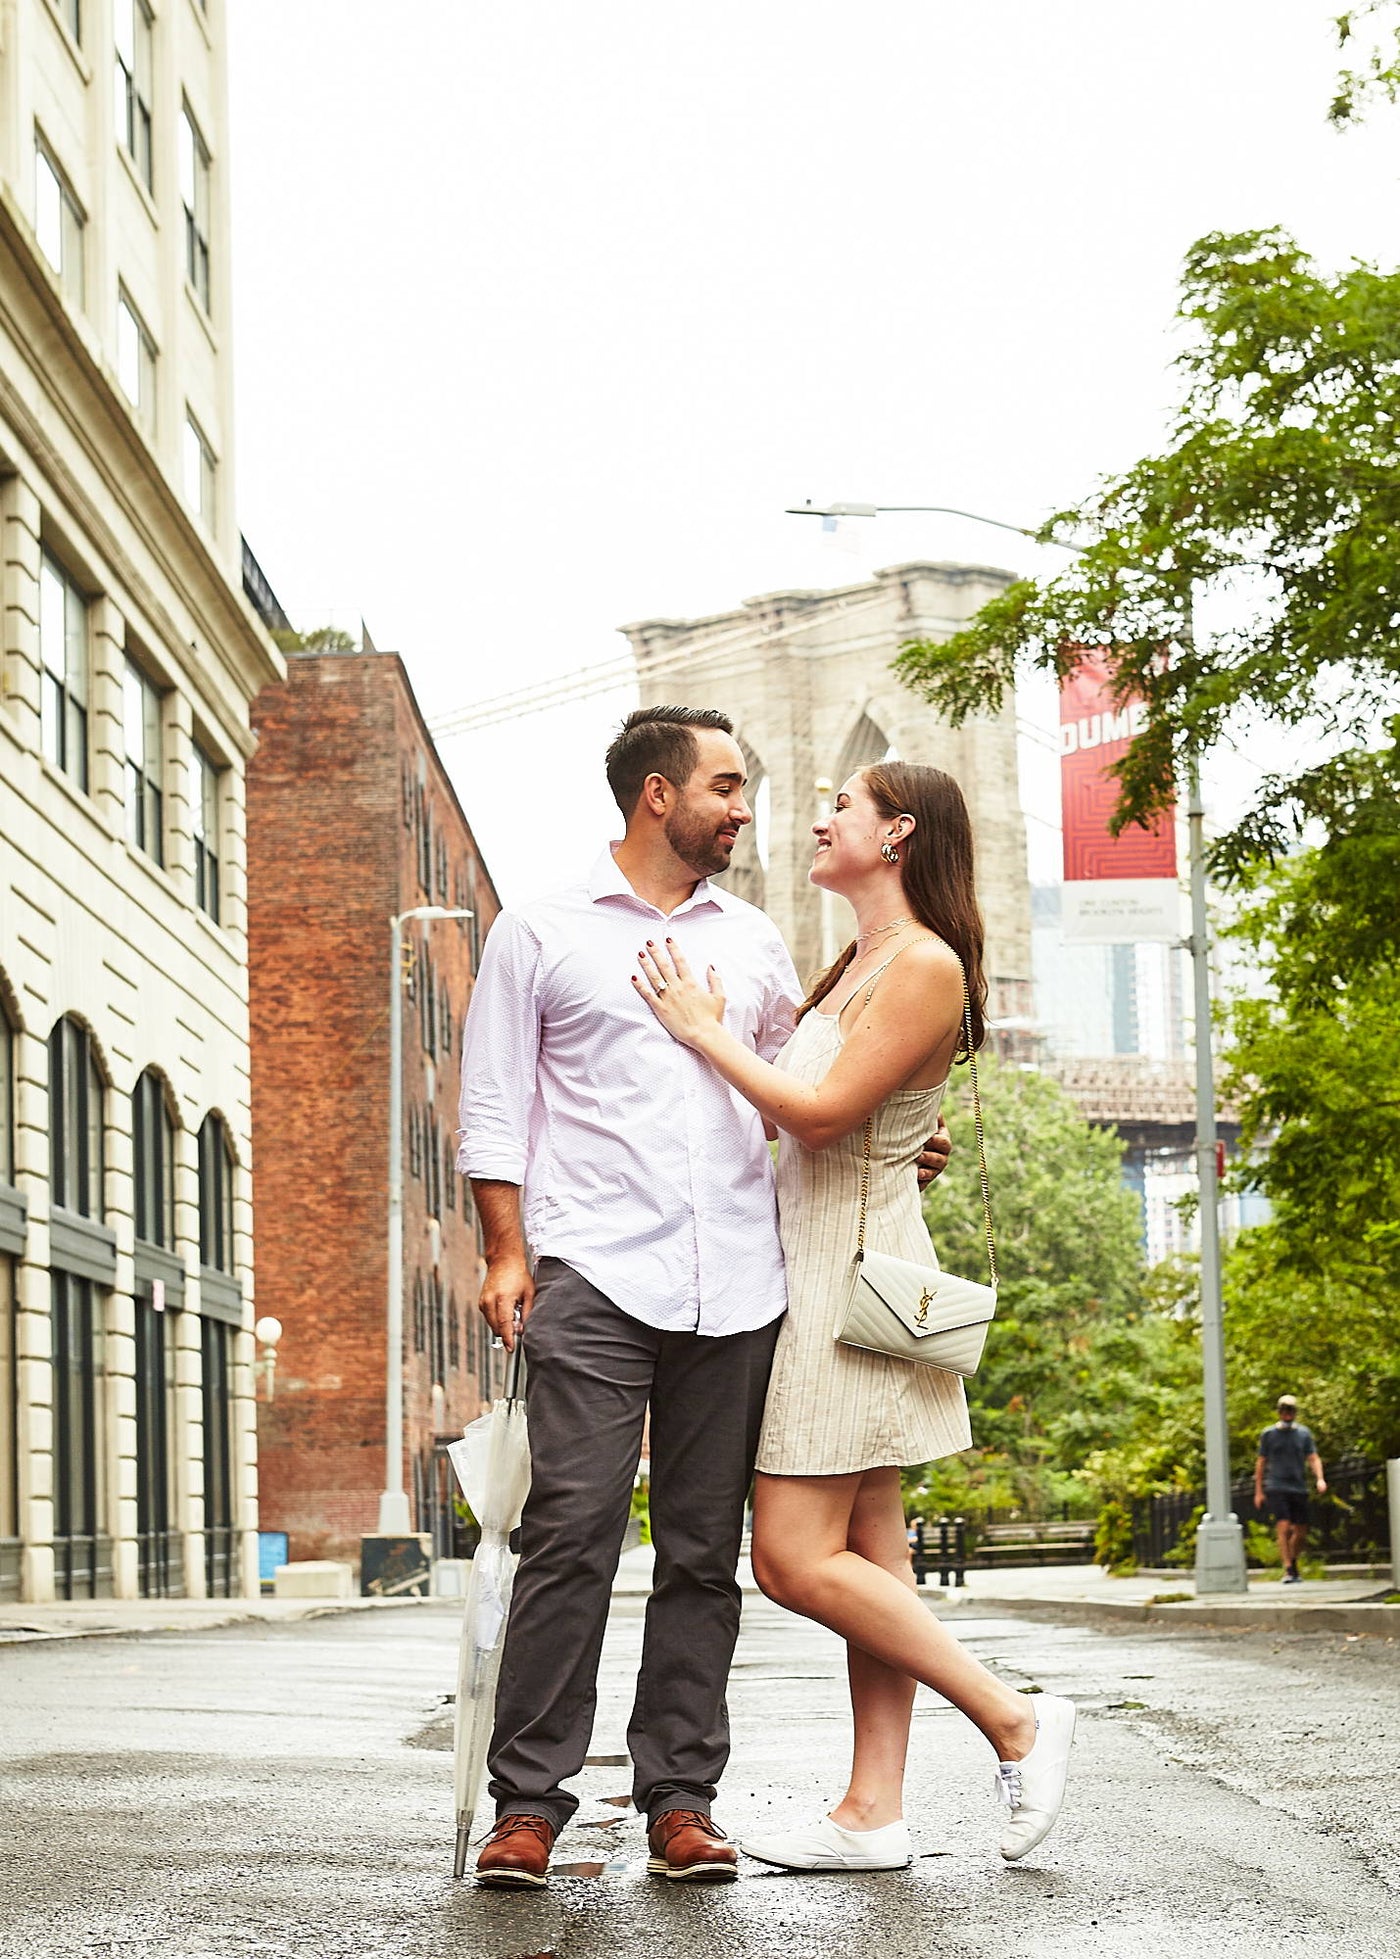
(1286, 1453)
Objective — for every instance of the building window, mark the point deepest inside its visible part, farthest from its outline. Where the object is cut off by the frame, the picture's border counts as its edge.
(63, 656)
(71, 13)
(449, 1175)
(153, 1167)
(82, 1555)
(215, 1195)
(194, 194)
(199, 472)
(136, 362)
(75, 1121)
(7, 1099)
(159, 1557)
(220, 1563)
(141, 716)
(205, 815)
(58, 221)
(134, 91)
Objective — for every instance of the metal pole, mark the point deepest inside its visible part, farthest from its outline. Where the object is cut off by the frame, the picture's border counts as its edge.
(1392, 1490)
(393, 1503)
(1220, 1564)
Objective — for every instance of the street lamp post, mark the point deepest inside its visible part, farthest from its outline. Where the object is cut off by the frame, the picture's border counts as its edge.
(393, 1502)
(1220, 1559)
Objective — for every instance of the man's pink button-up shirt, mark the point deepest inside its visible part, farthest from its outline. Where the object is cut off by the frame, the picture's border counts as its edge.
(641, 1168)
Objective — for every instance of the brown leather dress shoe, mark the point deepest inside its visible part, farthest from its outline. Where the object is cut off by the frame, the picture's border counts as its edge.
(689, 1849)
(515, 1857)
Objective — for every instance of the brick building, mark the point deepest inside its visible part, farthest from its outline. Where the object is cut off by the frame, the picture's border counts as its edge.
(351, 821)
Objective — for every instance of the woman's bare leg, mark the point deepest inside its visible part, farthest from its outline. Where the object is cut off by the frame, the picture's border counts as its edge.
(802, 1560)
(882, 1699)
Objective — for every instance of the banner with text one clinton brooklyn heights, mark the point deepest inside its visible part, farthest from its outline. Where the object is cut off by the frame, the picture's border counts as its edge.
(1121, 889)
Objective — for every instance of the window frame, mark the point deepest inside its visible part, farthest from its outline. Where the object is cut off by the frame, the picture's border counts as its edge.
(63, 705)
(76, 1109)
(7, 1100)
(133, 108)
(152, 1162)
(199, 471)
(205, 812)
(70, 267)
(196, 198)
(143, 401)
(144, 785)
(216, 1195)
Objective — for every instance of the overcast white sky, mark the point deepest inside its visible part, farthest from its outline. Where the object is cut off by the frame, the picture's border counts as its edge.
(544, 312)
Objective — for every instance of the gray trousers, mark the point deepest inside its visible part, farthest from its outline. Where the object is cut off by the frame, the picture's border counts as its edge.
(591, 1372)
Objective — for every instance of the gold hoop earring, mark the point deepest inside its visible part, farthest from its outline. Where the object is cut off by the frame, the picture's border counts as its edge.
(888, 852)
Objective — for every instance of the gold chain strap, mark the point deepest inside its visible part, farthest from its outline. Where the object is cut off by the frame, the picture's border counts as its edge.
(981, 1146)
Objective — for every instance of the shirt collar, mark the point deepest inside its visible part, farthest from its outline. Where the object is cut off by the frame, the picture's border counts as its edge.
(607, 881)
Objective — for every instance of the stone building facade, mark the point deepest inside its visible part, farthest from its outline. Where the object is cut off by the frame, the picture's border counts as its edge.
(806, 677)
(130, 655)
(353, 821)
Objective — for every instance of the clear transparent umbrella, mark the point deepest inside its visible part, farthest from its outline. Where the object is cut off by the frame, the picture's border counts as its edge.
(492, 1462)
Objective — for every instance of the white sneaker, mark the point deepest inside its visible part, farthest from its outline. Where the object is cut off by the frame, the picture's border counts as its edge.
(825, 1846)
(1034, 1787)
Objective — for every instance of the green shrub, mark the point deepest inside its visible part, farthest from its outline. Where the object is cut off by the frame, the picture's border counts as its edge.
(1113, 1539)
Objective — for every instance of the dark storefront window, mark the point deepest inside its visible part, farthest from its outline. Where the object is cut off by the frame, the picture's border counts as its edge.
(82, 1550)
(220, 1561)
(159, 1558)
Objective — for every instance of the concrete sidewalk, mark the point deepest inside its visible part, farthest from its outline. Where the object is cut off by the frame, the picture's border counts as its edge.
(1088, 1596)
(1079, 1593)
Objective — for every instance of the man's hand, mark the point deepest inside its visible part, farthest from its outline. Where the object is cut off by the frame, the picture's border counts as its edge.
(507, 1294)
(933, 1160)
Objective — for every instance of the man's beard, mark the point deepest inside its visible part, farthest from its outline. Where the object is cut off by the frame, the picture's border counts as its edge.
(700, 848)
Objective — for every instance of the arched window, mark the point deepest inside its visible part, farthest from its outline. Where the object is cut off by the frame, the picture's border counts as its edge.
(153, 1166)
(215, 1195)
(7, 1098)
(75, 1120)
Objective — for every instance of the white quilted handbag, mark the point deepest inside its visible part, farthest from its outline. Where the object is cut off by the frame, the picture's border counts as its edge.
(919, 1312)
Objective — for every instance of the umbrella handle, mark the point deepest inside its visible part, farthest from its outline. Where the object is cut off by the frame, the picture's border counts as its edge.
(513, 1366)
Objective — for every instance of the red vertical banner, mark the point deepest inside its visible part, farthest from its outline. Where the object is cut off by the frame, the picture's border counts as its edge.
(1122, 889)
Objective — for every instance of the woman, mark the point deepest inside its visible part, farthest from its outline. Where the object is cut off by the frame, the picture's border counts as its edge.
(876, 1039)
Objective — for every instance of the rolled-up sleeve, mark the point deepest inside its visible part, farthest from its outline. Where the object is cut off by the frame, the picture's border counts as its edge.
(500, 1054)
(782, 996)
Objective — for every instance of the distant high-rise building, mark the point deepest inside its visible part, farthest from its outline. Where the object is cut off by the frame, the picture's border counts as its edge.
(127, 1448)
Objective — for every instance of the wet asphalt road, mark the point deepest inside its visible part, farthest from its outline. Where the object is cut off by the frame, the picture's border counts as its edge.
(269, 1791)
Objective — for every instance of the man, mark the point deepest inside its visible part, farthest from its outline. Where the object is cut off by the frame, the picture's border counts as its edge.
(658, 1278)
(1286, 1452)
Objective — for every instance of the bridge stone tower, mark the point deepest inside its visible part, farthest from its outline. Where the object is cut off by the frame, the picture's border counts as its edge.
(806, 677)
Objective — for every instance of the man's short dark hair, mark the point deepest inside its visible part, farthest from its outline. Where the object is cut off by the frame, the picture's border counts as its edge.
(658, 741)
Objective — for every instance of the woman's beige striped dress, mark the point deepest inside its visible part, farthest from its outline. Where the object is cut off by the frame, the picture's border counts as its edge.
(832, 1409)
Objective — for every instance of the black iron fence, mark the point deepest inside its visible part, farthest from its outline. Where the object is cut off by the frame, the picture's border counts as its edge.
(1349, 1525)
(939, 1545)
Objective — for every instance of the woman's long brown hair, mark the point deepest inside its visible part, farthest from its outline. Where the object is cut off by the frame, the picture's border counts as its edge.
(936, 869)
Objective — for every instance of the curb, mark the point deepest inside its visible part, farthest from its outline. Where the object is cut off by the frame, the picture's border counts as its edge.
(19, 1628)
(1247, 1616)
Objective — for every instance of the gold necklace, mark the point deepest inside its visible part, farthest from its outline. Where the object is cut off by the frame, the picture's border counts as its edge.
(893, 926)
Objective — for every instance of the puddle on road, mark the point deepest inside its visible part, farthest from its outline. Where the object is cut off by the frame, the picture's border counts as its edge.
(611, 1867)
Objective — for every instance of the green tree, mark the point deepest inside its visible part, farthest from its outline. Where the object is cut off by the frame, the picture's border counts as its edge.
(1378, 77)
(1078, 1347)
(1282, 485)
(320, 639)
(1313, 1064)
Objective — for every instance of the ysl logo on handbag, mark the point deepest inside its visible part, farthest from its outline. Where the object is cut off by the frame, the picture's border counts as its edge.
(925, 1301)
